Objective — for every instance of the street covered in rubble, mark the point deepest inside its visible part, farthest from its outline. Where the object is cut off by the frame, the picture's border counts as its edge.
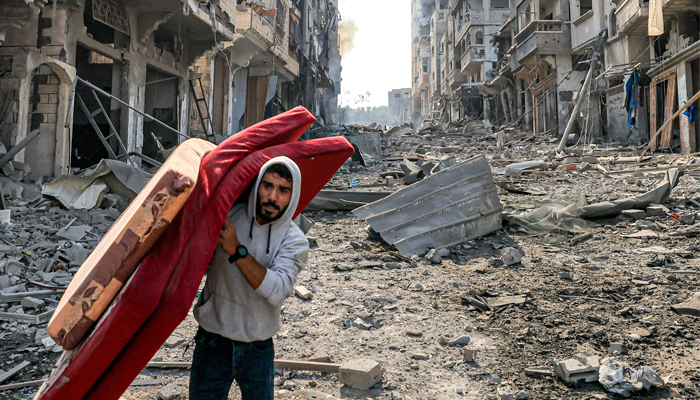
(515, 300)
(349, 199)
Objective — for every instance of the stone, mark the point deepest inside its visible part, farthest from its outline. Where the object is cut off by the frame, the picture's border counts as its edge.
(31, 302)
(565, 275)
(634, 214)
(360, 246)
(538, 371)
(360, 374)
(303, 293)
(5, 282)
(460, 341)
(174, 341)
(641, 332)
(40, 335)
(689, 307)
(169, 392)
(14, 268)
(320, 356)
(580, 368)
(656, 211)
(511, 256)
(618, 348)
(361, 324)
(521, 395)
(444, 252)
(470, 354)
(433, 256)
(420, 356)
(505, 393)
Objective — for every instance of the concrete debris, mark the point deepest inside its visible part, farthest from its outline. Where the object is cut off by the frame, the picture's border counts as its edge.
(511, 256)
(169, 392)
(303, 293)
(618, 377)
(689, 307)
(580, 368)
(469, 354)
(361, 374)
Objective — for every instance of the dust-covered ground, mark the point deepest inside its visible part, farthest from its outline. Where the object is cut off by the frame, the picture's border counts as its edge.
(581, 294)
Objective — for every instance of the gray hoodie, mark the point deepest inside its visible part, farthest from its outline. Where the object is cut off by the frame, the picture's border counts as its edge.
(228, 305)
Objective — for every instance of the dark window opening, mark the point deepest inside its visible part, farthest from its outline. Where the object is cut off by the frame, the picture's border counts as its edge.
(586, 6)
(99, 31)
(163, 40)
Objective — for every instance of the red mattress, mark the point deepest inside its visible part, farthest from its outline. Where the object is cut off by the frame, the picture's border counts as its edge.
(318, 161)
(79, 369)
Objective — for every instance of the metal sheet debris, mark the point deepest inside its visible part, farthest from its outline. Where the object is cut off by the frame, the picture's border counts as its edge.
(450, 207)
(329, 200)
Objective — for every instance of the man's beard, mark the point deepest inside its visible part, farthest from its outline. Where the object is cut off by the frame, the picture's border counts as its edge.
(266, 215)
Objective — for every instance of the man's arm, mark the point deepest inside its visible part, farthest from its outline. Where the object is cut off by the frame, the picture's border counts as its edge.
(252, 271)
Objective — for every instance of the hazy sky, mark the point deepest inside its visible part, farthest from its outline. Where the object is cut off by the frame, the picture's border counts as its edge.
(380, 59)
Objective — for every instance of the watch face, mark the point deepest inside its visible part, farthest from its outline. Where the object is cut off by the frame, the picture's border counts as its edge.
(242, 251)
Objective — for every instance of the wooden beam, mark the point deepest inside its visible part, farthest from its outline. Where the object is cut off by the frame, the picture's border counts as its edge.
(21, 385)
(283, 364)
(9, 374)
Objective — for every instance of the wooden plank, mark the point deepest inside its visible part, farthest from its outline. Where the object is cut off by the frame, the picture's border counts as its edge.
(695, 97)
(307, 366)
(652, 114)
(667, 134)
(9, 374)
(38, 294)
(283, 364)
(21, 385)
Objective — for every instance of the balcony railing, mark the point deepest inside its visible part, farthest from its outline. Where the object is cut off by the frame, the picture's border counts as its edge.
(543, 37)
(267, 28)
(538, 26)
(473, 55)
(631, 14)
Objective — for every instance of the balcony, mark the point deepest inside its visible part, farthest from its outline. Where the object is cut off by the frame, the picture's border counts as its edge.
(543, 37)
(473, 57)
(632, 16)
(264, 31)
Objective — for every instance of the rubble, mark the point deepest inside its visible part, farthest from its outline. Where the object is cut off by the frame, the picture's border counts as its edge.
(580, 368)
(361, 374)
(618, 377)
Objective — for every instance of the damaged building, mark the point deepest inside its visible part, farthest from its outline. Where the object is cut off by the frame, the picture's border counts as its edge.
(125, 79)
(524, 62)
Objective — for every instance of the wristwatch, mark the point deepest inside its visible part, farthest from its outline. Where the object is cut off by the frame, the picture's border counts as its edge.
(241, 252)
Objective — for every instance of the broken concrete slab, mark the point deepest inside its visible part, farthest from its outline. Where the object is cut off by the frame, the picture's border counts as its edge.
(511, 256)
(689, 307)
(74, 233)
(303, 293)
(450, 207)
(580, 368)
(361, 374)
(169, 392)
(31, 302)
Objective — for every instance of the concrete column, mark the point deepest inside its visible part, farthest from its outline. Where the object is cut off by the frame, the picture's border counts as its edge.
(684, 77)
(135, 95)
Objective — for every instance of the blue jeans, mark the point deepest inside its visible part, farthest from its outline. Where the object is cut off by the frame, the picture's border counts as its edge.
(217, 361)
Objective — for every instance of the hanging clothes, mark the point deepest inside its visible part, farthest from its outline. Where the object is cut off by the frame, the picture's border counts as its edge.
(631, 98)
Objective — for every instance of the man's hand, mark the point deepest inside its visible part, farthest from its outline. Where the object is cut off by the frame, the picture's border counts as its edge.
(228, 238)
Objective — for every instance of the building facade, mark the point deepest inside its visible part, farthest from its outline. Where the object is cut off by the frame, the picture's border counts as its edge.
(115, 78)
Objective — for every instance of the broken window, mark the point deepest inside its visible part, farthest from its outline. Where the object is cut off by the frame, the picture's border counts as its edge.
(163, 40)
(499, 3)
(479, 37)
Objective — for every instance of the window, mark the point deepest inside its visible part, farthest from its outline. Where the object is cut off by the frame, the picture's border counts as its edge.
(586, 6)
(499, 3)
(479, 37)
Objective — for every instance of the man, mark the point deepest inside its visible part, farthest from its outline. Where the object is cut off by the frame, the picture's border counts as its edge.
(252, 271)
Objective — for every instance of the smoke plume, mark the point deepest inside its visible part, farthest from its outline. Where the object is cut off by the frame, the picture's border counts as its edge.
(346, 33)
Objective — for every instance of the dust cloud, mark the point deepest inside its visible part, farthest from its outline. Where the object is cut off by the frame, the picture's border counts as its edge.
(346, 34)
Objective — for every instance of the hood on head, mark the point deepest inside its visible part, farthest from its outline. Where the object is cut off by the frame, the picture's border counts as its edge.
(296, 189)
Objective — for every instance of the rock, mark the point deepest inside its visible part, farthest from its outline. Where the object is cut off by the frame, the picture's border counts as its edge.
(689, 307)
(433, 256)
(538, 371)
(360, 324)
(360, 246)
(420, 356)
(14, 268)
(634, 214)
(640, 332)
(444, 252)
(5, 282)
(580, 368)
(289, 385)
(565, 275)
(320, 356)
(619, 348)
(505, 393)
(419, 287)
(31, 302)
(470, 354)
(460, 341)
(511, 256)
(303, 293)
(174, 341)
(656, 211)
(360, 374)
(169, 392)
(520, 395)
(40, 335)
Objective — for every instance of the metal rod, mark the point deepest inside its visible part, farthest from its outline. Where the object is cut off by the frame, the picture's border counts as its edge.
(149, 117)
(19, 146)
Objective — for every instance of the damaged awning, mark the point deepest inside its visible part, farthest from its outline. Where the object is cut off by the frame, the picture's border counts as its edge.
(452, 206)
